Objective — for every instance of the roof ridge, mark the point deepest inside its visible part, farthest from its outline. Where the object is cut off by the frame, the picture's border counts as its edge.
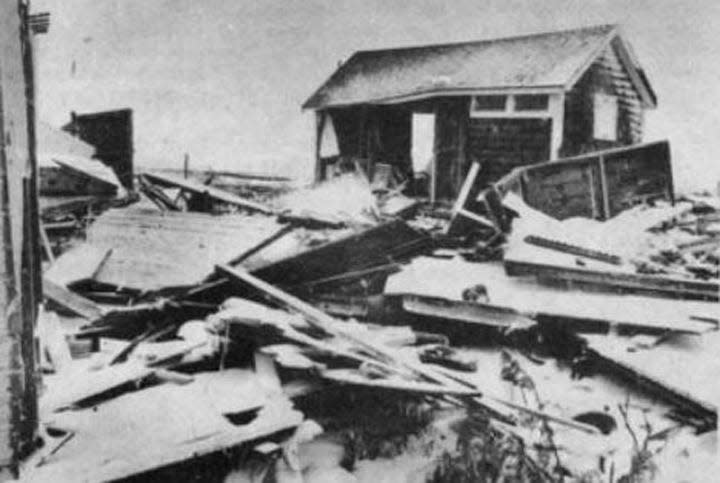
(609, 26)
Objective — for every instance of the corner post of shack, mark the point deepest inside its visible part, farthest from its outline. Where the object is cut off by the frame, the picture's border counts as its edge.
(19, 288)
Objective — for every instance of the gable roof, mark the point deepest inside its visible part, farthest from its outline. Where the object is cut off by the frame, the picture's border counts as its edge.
(538, 62)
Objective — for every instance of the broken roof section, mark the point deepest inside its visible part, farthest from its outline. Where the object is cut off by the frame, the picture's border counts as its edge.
(544, 62)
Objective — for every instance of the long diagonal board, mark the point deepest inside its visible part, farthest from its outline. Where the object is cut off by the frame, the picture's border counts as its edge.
(214, 193)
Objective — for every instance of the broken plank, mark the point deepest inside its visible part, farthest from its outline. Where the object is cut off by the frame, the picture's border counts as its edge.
(354, 275)
(214, 193)
(52, 340)
(332, 326)
(47, 247)
(173, 423)
(157, 196)
(575, 309)
(78, 384)
(355, 378)
(284, 230)
(573, 249)
(617, 281)
(471, 312)
(375, 246)
(72, 302)
(682, 373)
(79, 264)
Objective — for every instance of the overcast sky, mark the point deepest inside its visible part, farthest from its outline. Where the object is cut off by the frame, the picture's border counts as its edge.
(224, 79)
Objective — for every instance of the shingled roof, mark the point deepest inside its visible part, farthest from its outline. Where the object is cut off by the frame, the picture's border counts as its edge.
(545, 61)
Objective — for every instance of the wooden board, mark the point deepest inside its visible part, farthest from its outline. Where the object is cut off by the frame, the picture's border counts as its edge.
(79, 264)
(470, 312)
(90, 169)
(580, 310)
(617, 281)
(682, 370)
(153, 250)
(201, 189)
(71, 301)
(171, 423)
(355, 378)
(598, 184)
(375, 246)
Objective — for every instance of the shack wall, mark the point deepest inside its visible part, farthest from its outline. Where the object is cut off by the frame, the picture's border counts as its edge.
(112, 135)
(500, 145)
(451, 166)
(607, 75)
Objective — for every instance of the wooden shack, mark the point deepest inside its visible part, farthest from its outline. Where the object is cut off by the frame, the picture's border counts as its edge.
(504, 103)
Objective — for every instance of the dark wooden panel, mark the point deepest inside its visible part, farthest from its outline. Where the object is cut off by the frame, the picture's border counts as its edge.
(503, 144)
(635, 175)
(376, 246)
(111, 133)
(574, 187)
(566, 190)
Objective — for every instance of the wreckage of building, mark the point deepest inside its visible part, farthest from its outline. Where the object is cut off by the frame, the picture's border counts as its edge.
(502, 103)
(524, 320)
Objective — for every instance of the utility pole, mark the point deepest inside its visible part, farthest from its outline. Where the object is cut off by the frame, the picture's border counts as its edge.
(20, 289)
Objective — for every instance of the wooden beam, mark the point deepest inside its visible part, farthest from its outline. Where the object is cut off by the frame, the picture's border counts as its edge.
(557, 115)
(77, 304)
(46, 244)
(604, 191)
(214, 193)
(266, 242)
(319, 126)
(328, 324)
(617, 281)
(18, 263)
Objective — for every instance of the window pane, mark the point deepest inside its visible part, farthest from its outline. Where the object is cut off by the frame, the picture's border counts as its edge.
(489, 103)
(531, 102)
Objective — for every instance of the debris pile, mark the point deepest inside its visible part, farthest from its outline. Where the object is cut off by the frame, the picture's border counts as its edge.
(319, 334)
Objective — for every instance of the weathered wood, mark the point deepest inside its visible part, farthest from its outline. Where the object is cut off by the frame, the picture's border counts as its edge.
(157, 196)
(563, 247)
(153, 250)
(354, 275)
(52, 340)
(560, 190)
(470, 312)
(106, 182)
(618, 281)
(375, 246)
(665, 370)
(71, 301)
(575, 310)
(79, 264)
(331, 326)
(214, 193)
(47, 247)
(18, 266)
(284, 230)
(105, 446)
(356, 378)
(74, 386)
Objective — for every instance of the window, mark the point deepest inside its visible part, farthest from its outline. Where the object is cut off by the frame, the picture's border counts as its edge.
(489, 103)
(605, 108)
(531, 102)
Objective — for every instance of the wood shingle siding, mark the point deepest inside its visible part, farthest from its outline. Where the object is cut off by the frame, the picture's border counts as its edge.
(503, 144)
